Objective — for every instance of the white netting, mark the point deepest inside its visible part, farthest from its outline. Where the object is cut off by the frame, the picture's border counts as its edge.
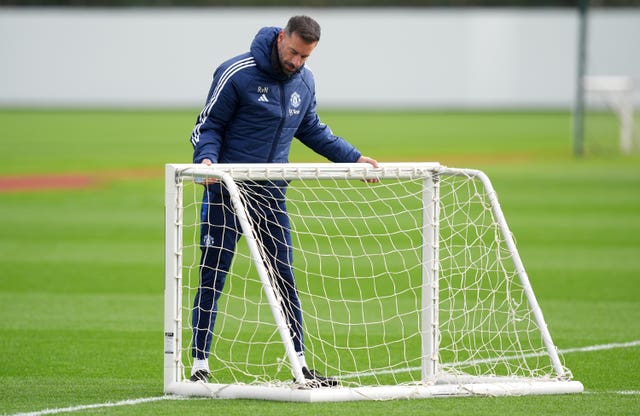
(357, 258)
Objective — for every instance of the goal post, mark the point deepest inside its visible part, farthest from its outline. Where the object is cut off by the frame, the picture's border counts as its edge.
(410, 287)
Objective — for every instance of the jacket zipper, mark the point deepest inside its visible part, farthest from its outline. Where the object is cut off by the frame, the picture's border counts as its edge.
(283, 116)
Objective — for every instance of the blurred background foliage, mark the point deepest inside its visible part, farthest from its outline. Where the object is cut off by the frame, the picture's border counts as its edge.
(320, 3)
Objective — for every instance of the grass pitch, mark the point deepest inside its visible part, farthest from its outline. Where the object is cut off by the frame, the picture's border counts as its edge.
(81, 270)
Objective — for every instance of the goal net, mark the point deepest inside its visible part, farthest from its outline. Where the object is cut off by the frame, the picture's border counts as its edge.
(409, 287)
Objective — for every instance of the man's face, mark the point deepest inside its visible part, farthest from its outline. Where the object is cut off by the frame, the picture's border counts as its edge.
(293, 51)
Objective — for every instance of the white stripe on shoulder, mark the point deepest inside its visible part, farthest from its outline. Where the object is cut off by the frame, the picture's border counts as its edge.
(232, 69)
(222, 81)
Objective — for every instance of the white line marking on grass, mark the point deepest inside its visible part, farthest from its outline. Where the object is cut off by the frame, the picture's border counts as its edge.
(131, 402)
(619, 392)
(601, 347)
(98, 406)
(628, 392)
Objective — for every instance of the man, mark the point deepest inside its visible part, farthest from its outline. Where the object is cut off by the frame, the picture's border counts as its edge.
(258, 102)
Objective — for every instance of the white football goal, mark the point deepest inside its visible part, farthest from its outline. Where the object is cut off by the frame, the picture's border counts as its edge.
(609, 102)
(410, 287)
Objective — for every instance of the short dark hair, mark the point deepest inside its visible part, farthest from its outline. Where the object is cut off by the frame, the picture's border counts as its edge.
(307, 28)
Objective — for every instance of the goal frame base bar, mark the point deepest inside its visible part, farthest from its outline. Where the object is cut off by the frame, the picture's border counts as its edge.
(291, 393)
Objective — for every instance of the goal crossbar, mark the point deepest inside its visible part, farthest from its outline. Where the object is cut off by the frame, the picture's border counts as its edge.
(301, 171)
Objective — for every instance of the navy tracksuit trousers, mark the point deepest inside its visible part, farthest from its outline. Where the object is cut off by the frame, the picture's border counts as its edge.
(219, 234)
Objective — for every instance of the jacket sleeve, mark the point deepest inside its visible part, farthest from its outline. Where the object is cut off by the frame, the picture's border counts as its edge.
(318, 136)
(208, 133)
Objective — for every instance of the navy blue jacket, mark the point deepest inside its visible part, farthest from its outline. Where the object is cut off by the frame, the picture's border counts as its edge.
(254, 111)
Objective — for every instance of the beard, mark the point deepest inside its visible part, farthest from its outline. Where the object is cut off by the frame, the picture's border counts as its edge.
(288, 68)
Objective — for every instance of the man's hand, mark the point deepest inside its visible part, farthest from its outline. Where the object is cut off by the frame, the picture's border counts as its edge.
(207, 180)
(372, 162)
